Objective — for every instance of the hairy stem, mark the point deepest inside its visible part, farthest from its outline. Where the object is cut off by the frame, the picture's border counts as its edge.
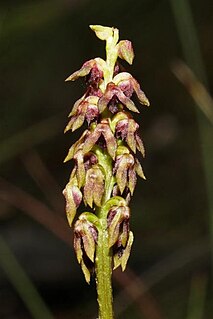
(103, 261)
(103, 275)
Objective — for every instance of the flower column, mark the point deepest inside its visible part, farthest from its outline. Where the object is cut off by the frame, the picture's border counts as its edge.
(104, 174)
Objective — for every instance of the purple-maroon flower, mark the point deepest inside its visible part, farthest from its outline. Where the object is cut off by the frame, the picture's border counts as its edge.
(117, 217)
(94, 186)
(112, 92)
(93, 66)
(128, 85)
(73, 199)
(101, 130)
(127, 130)
(86, 109)
(85, 240)
(125, 169)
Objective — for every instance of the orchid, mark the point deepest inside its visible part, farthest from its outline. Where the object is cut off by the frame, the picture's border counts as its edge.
(106, 166)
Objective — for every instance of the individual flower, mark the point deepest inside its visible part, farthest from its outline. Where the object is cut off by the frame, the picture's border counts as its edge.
(127, 130)
(128, 85)
(85, 240)
(94, 185)
(125, 169)
(118, 224)
(73, 198)
(125, 173)
(120, 237)
(101, 130)
(87, 109)
(94, 65)
(114, 92)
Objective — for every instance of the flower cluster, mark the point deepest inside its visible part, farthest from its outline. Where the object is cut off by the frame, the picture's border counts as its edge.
(105, 164)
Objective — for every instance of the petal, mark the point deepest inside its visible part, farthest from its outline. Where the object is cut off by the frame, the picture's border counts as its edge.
(76, 105)
(94, 186)
(77, 120)
(140, 94)
(107, 96)
(140, 145)
(121, 174)
(126, 252)
(91, 140)
(132, 180)
(125, 76)
(86, 271)
(113, 230)
(73, 198)
(80, 116)
(122, 76)
(80, 168)
(88, 241)
(132, 128)
(125, 233)
(77, 247)
(126, 101)
(76, 146)
(84, 70)
(116, 261)
(139, 169)
(110, 140)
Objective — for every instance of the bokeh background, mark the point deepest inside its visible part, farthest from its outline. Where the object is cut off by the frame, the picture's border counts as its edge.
(169, 272)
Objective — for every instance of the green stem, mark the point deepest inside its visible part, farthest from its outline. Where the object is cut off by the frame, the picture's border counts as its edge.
(103, 275)
(103, 261)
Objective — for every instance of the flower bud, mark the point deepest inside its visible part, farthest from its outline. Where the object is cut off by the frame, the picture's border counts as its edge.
(125, 51)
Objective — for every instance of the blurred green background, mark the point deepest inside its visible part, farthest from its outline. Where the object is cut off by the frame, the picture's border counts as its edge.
(170, 269)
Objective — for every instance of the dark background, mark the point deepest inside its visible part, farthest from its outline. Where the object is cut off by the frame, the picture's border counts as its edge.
(43, 42)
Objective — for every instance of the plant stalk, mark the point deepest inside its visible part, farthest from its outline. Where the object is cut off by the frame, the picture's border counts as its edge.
(103, 275)
(103, 261)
